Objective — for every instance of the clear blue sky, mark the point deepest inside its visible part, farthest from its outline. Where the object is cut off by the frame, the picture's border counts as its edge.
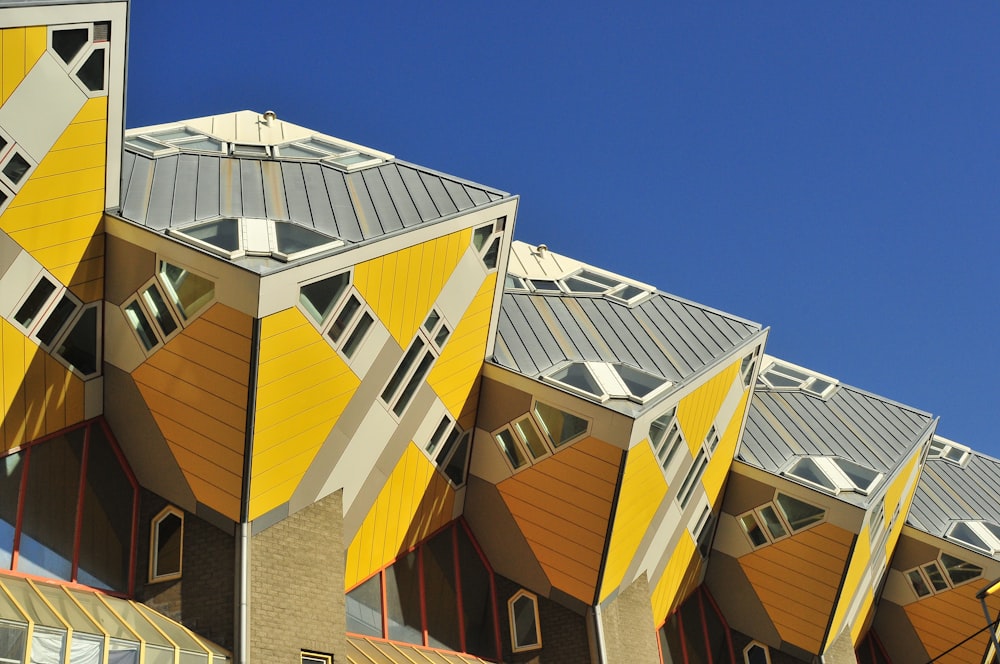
(831, 172)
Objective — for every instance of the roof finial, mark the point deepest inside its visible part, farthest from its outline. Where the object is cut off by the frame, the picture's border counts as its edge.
(541, 249)
(269, 117)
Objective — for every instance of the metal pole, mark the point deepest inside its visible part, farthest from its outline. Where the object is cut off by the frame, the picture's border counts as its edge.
(981, 596)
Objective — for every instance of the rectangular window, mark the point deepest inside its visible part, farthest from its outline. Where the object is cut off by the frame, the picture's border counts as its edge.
(692, 478)
(33, 305)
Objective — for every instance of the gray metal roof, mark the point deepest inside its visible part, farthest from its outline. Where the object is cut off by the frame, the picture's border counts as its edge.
(663, 335)
(175, 190)
(850, 423)
(948, 492)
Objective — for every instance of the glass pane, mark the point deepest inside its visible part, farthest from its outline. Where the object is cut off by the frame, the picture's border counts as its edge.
(447, 447)
(441, 336)
(455, 470)
(806, 469)
(438, 434)
(79, 348)
(91, 73)
(141, 143)
(559, 426)
(545, 286)
(753, 529)
(351, 159)
(202, 143)
(293, 238)
(168, 541)
(244, 149)
(48, 645)
(777, 380)
(50, 507)
(531, 438)
(756, 654)
(860, 476)
(958, 570)
(54, 323)
(440, 592)
(579, 376)
(353, 341)
(694, 631)
(628, 293)
(397, 378)
(639, 383)
(671, 444)
(432, 320)
(525, 627)
(158, 307)
(717, 633)
(177, 133)
(692, 478)
(222, 233)
(402, 593)
(480, 236)
(773, 523)
(35, 301)
(137, 319)
(67, 43)
(608, 282)
(512, 282)
(86, 648)
(16, 168)
(13, 638)
(364, 608)
(963, 533)
(344, 318)
(477, 599)
(789, 372)
(506, 440)
(819, 386)
(954, 454)
(492, 254)
(658, 427)
(574, 285)
(319, 297)
(670, 638)
(106, 529)
(993, 529)
(937, 580)
(10, 485)
(415, 380)
(293, 151)
(189, 291)
(797, 513)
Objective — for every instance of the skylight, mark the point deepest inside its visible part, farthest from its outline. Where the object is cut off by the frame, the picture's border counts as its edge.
(232, 238)
(587, 282)
(834, 474)
(315, 148)
(605, 380)
(983, 536)
(174, 139)
(946, 450)
(781, 376)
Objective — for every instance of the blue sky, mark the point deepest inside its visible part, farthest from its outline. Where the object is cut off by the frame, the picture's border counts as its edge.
(828, 171)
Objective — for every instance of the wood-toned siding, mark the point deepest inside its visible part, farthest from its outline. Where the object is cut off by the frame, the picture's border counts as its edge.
(196, 389)
(562, 506)
(401, 287)
(38, 396)
(944, 619)
(697, 410)
(415, 501)
(796, 579)
(302, 388)
(20, 49)
(454, 377)
(57, 215)
(643, 488)
(671, 586)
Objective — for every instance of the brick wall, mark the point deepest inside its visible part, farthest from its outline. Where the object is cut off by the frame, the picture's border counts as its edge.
(202, 599)
(629, 633)
(297, 586)
(564, 632)
(741, 641)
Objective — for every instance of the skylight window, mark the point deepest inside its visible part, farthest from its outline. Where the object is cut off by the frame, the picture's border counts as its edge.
(234, 238)
(181, 137)
(834, 474)
(780, 376)
(983, 536)
(947, 450)
(605, 380)
(342, 156)
(588, 282)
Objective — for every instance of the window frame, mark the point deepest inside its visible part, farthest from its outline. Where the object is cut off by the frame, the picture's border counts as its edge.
(756, 513)
(679, 442)
(12, 149)
(533, 410)
(942, 570)
(247, 227)
(805, 384)
(337, 307)
(756, 644)
(94, 47)
(834, 473)
(499, 226)
(326, 155)
(81, 54)
(154, 539)
(312, 657)
(940, 448)
(609, 381)
(44, 309)
(69, 326)
(436, 446)
(515, 646)
(981, 531)
(171, 310)
(693, 477)
(173, 299)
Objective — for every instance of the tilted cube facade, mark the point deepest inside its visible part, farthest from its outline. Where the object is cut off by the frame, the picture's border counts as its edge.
(272, 396)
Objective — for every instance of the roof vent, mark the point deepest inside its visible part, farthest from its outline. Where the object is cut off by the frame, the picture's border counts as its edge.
(541, 249)
(270, 117)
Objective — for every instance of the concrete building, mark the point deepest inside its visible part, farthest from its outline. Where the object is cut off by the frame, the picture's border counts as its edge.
(268, 395)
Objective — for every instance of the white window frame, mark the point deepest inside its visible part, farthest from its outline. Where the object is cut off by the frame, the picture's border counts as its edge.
(167, 300)
(832, 471)
(672, 442)
(499, 227)
(154, 539)
(101, 46)
(81, 54)
(495, 435)
(544, 430)
(942, 570)
(942, 448)
(157, 334)
(329, 152)
(514, 645)
(748, 365)
(757, 514)
(249, 233)
(172, 297)
(436, 443)
(312, 657)
(46, 307)
(392, 401)
(536, 427)
(979, 529)
(756, 644)
(805, 384)
(67, 324)
(99, 346)
(611, 384)
(693, 477)
(8, 155)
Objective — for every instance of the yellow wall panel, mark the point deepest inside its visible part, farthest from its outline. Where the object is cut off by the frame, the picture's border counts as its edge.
(199, 403)
(696, 411)
(38, 395)
(303, 387)
(414, 502)
(642, 489)
(58, 185)
(401, 287)
(722, 459)
(563, 512)
(20, 49)
(454, 374)
(666, 593)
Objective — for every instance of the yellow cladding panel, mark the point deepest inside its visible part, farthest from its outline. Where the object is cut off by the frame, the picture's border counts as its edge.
(197, 394)
(562, 505)
(401, 287)
(57, 215)
(415, 501)
(797, 579)
(860, 560)
(942, 620)
(696, 411)
(20, 49)
(722, 459)
(454, 375)
(642, 490)
(38, 396)
(666, 594)
(302, 388)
